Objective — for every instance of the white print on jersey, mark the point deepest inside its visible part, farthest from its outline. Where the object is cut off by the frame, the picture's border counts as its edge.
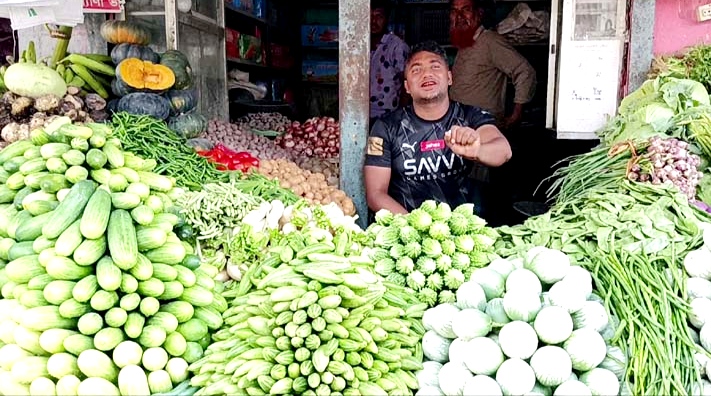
(432, 167)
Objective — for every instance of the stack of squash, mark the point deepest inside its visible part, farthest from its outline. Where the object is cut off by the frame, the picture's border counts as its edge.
(148, 83)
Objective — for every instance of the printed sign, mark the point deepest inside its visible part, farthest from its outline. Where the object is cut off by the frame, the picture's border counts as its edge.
(102, 6)
(432, 145)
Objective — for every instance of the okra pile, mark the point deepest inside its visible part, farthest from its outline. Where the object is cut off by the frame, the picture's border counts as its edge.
(100, 295)
(431, 250)
(311, 318)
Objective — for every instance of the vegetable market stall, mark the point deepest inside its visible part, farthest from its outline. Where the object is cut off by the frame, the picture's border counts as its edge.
(139, 259)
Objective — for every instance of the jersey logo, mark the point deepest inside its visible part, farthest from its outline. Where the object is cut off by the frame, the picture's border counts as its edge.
(408, 146)
(432, 145)
(429, 168)
(375, 146)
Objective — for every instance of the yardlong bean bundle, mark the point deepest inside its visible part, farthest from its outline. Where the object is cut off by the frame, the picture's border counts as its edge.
(151, 138)
(653, 329)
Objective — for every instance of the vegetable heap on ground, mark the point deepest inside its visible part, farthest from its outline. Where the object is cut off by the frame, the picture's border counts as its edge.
(431, 250)
(697, 265)
(100, 294)
(630, 241)
(641, 218)
(316, 137)
(630, 212)
(664, 106)
(19, 115)
(238, 139)
(648, 295)
(310, 185)
(655, 160)
(218, 211)
(311, 318)
(228, 159)
(262, 122)
(522, 326)
(151, 138)
(329, 167)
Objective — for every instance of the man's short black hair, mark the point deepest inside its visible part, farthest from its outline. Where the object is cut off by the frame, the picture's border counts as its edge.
(427, 46)
(381, 4)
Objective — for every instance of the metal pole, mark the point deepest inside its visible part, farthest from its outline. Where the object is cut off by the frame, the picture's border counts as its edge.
(353, 92)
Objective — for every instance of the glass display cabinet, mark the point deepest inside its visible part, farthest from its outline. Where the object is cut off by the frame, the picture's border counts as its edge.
(195, 28)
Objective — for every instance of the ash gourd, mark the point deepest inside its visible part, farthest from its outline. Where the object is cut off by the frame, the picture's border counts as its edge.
(529, 325)
(697, 265)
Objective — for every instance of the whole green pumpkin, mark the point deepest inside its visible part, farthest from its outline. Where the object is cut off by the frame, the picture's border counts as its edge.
(188, 125)
(120, 89)
(125, 51)
(179, 64)
(142, 103)
(182, 101)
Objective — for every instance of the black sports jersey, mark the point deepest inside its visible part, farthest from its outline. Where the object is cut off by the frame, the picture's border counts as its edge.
(422, 165)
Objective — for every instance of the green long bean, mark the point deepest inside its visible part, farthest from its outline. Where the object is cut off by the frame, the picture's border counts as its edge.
(655, 336)
(151, 138)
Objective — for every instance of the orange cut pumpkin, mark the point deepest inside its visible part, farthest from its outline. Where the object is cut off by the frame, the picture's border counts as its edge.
(145, 76)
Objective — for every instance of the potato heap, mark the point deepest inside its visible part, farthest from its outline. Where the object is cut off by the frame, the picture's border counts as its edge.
(312, 186)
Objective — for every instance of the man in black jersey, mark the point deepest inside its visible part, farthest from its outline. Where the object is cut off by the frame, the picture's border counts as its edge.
(426, 150)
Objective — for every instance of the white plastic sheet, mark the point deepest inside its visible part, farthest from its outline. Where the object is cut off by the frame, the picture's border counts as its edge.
(26, 14)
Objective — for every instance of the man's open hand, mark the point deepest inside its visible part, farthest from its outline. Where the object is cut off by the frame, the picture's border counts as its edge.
(463, 141)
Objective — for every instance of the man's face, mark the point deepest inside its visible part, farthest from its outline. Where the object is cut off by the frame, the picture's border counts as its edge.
(464, 20)
(378, 21)
(427, 78)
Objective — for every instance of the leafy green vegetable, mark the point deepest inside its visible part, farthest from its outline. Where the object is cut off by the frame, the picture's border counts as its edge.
(694, 64)
(681, 94)
(703, 190)
(655, 220)
(661, 106)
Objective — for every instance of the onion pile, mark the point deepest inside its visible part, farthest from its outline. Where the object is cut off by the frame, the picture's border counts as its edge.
(329, 167)
(316, 137)
(238, 140)
(669, 161)
(264, 122)
(309, 185)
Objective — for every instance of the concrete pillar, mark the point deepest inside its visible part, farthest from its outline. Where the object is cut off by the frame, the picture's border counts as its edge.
(354, 109)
